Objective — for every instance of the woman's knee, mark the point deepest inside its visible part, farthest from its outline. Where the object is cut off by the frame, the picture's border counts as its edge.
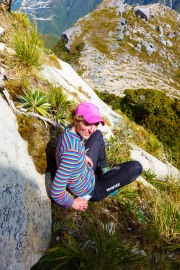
(137, 167)
(96, 136)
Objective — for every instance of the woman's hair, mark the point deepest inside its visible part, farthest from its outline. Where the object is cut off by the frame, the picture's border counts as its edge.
(77, 117)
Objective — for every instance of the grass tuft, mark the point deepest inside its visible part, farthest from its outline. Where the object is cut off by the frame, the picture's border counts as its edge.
(27, 47)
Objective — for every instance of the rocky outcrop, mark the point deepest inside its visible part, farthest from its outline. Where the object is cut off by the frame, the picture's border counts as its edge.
(3, 47)
(121, 29)
(123, 59)
(142, 12)
(161, 170)
(25, 215)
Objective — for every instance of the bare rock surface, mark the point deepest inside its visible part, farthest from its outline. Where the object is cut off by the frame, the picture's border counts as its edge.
(25, 212)
(161, 170)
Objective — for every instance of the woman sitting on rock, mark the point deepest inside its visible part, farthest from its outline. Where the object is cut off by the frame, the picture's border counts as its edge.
(82, 170)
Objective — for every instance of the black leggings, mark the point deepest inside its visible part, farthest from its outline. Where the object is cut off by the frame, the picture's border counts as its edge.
(114, 179)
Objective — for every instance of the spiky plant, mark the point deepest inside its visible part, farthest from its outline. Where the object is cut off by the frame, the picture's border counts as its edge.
(102, 250)
(59, 103)
(34, 101)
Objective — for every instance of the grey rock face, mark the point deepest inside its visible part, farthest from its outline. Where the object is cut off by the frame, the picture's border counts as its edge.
(163, 41)
(171, 35)
(120, 36)
(153, 27)
(2, 46)
(149, 47)
(143, 12)
(114, 46)
(160, 29)
(168, 27)
(121, 29)
(25, 214)
(121, 7)
(138, 47)
(169, 43)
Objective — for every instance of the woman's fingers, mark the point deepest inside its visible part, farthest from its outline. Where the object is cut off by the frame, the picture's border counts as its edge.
(89, 161)
(80, 204)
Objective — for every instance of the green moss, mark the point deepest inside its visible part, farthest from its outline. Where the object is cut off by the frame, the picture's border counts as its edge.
(15, 88)
(37, 137)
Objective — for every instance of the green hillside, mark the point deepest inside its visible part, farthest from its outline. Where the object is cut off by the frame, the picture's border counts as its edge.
(49, 40)
(66, 13)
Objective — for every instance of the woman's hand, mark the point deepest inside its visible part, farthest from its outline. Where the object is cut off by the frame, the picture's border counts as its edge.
(89, 161)
(80, 204)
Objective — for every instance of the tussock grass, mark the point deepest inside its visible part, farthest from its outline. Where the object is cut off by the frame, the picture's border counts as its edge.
(89, 246)
(166, 209)
(55, 62)
(27, 47)
(60, 104)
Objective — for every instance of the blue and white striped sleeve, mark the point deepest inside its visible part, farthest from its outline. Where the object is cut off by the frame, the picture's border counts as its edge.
(64, 172)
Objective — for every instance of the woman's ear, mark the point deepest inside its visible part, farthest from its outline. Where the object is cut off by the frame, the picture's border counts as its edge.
(75, 120)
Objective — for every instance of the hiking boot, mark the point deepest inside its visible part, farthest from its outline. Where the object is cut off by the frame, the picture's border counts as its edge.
(100, 170)
(105, 170)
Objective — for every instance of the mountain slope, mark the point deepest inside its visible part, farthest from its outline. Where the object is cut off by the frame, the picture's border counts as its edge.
(128, 52)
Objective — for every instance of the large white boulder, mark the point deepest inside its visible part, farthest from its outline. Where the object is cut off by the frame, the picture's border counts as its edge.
(162, 170)
(25, 209)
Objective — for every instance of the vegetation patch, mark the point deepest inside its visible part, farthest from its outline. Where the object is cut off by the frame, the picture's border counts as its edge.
(33, 131)
(137, 229)
(70, 57)
(26, 45)
(154, 110)
(55, 62)
(34, 101)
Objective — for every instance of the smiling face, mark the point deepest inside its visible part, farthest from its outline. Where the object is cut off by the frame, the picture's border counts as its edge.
(83, 128)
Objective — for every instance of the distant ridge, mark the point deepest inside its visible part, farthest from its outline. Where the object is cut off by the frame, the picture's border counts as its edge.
(66, 13)
(175, 4)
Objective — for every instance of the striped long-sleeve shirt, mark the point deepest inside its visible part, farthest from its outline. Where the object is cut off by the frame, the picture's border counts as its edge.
(73, 175)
